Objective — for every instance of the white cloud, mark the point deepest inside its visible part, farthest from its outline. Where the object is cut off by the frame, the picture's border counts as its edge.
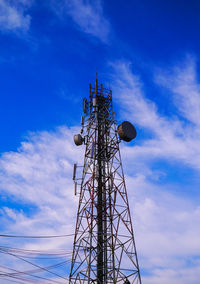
(87, 15)
(182, 81)
(166, 276)
(45, 161)
(172, 138)
(37, 179)
(165, 223)
(38, 176)
(13, 16)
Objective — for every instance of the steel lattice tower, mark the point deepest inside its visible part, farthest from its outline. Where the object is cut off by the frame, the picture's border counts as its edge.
(104, 248)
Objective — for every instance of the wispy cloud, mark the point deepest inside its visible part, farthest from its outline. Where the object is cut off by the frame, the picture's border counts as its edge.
(182, 81)
(172, 138)
(13, 16)
(87, 15)
(165, 222)
(36, 179)
(166, 232)
(38, 176)
(37, 193)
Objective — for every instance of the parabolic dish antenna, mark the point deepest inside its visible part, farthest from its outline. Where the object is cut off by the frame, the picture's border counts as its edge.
(126, 131)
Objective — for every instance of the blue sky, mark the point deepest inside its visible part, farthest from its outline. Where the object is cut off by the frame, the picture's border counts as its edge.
(147, 52)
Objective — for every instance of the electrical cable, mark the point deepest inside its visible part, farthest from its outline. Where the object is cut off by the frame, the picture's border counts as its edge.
(36, 237)
(42, 268)
(33, 270)
(22, 254)
(38, 253)
(17, 277)
(28, 272)
(20, 278)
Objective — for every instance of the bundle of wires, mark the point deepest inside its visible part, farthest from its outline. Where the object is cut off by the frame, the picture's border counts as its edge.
(42, 266)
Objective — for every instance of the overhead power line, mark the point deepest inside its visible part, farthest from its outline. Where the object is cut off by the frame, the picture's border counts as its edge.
(36, 265)
(36, 237)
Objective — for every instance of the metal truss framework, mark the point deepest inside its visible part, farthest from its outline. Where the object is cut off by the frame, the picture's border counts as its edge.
(104, 248)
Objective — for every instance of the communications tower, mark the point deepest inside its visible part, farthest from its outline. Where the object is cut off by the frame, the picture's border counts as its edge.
(104, 247)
